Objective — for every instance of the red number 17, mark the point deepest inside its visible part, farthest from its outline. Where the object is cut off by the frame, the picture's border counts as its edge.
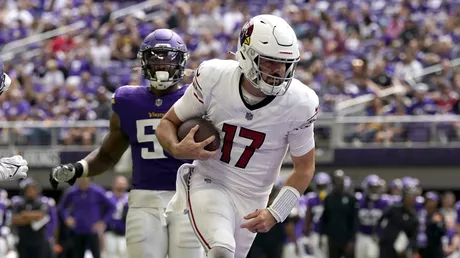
(257, 138)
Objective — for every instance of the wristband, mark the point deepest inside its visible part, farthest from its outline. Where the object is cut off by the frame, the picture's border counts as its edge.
(284, 202)
(81, 168)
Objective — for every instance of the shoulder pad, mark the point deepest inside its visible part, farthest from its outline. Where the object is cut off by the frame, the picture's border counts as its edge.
(108, 194)
(311, 195)
(3, 193)
(16, 199)
(121, 94)
(51, 202)
(307, 106)
(385, 198)
(420, 199)
(207, 75)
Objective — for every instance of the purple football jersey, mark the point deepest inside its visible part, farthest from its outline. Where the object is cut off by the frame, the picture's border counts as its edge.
(370, 212)
(117, 224)
(449, 236)
(315, 204)
(140, 112)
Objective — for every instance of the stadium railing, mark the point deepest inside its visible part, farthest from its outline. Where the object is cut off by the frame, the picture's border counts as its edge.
(19, 47)
(331, 133)
(358, 104)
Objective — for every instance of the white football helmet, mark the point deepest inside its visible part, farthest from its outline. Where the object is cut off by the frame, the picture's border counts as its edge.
(268, 38)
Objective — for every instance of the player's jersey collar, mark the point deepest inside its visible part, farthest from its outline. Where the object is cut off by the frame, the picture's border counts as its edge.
(261, 104)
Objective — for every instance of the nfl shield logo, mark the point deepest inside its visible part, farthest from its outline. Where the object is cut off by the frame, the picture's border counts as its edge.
(249, 115)
(158, 102)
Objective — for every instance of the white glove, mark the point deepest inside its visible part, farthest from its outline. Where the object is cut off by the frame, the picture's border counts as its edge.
(6, 85)
(13, 168)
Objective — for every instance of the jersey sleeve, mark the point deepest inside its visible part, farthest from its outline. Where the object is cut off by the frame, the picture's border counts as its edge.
(117, 100)
(301, 137)
(195, 100)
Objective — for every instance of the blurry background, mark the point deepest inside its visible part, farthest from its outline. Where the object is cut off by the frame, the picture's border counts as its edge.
(386, 72)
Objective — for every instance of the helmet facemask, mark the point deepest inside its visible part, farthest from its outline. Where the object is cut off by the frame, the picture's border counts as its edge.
(163, 66)
(272, 76)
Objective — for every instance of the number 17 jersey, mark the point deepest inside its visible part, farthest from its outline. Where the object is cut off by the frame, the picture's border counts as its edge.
(140, 112)
(254, 139)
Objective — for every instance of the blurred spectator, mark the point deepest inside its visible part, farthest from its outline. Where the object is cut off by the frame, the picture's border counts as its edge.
(451, 240)
(53, 77)
(100, 53)
(103, 107)
(83, 135)
(339, 221)
(448, 205)
(433, 228)
(30, 215)
(86, 211)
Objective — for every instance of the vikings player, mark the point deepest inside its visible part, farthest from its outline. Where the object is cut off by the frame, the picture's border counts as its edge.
(419, 200)
(372, 203)
(322, 185)
(15, 167)
(395, 189)
(137, 112)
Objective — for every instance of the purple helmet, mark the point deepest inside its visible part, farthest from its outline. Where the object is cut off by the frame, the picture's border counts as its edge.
(396, 184)
(372, 186)
(321, 181)
(163, 55)
(410, 182)
(411, 186)
(432, 196)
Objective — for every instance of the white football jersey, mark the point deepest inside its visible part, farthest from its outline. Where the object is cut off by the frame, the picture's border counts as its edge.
(254, 139)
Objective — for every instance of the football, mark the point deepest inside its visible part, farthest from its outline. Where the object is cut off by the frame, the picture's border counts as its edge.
(204, 132)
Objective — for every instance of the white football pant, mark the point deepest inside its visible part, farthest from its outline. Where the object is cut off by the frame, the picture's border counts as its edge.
(150, 234)
(114, 245)
(366, 247)
(216, 213)
(318, 252)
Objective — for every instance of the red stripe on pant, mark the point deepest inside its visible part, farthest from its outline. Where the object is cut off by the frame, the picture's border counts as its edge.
(198, 233)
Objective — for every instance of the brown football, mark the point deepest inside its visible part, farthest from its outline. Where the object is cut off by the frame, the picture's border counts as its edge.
(204, 132)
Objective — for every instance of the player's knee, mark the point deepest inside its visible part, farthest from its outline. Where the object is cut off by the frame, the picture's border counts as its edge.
(220, 252)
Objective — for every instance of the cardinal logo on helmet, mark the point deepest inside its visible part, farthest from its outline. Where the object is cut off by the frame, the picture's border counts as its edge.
(246, 32)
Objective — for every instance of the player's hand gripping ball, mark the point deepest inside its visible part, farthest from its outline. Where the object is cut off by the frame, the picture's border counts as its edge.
(206, 129)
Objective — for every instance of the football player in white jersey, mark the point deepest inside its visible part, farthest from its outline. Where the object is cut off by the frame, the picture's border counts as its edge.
(260, 110)
(15, 167)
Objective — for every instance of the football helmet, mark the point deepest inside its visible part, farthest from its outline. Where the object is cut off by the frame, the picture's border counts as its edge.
(163, 55)
(322, 184)
(5, 80)
(372, 186)
(268, 53)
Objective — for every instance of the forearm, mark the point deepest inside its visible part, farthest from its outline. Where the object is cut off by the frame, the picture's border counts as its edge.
(300, 180)
(99, 162)
(33, 215)
(19, 220)
(290, 232)
(166, 133)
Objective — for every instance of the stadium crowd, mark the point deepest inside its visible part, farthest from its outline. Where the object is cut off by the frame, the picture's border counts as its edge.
(349, 49)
